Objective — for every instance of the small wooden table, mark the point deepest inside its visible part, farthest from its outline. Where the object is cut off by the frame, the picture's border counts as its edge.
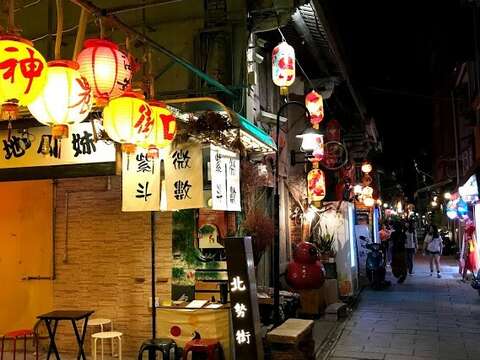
(69, 315)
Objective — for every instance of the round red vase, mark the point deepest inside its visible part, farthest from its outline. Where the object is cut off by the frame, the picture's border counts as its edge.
(305, 276)
(306, 253)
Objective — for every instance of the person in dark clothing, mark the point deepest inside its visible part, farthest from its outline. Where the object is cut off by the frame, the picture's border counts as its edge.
(411, 244)
(399, 263)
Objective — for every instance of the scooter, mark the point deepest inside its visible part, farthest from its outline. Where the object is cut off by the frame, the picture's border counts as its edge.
(476, 282)
(376, 267)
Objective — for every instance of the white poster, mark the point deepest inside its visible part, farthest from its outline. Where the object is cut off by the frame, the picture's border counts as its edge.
(36, 147)
(183, 177)
(140, 182)
(225, 174)
(362, 233)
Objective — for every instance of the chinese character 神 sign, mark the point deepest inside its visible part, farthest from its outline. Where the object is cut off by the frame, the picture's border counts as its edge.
(225, 174)
(140, 182)
(243, 298)
(36, 148)
(184, 177)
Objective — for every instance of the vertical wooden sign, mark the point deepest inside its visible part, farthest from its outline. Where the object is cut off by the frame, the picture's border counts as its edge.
(243, 299)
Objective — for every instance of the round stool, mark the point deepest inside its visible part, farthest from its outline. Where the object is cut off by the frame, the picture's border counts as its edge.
(210, 347)
(106, 335)
(18, 335)
(101, 323)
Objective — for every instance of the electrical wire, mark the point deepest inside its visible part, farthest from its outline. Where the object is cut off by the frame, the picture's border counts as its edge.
(54, 35)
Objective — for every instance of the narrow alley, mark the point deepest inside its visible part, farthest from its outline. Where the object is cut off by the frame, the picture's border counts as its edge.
(424, 318)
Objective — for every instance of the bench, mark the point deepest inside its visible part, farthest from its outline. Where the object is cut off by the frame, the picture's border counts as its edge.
(292, 340)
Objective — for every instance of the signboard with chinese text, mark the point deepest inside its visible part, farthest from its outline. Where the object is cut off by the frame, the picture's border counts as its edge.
(225, 176)
(41, 156)
(184, 177)
(243, 299)
(140, 181)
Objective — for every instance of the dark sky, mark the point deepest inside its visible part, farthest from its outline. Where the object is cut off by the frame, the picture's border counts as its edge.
(399, 53)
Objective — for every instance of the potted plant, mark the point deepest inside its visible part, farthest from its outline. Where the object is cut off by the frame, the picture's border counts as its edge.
(326, 244)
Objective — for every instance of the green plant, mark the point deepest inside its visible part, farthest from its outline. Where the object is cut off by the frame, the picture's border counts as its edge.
(206, 229)
(325, 242)
(178, 273)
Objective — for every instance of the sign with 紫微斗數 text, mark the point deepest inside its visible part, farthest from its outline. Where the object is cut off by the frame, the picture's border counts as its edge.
(140, 181)
(183, 186)
(225, 176)
(243, 298)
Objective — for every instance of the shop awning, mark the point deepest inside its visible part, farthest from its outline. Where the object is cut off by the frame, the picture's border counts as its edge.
(253, 137)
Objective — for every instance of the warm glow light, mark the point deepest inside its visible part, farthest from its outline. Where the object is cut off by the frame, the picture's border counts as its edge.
(309, 215)
(65, 100)
(385, 205)
(164, 130)
(368, 201)
(314, 104)
(367, 191)
(434, 203)
(106, 68)
(357, 189)
(399, 207)
(447, 196)
(312, 140)
(366, 167)
(23, 71)
(283, 66)
(128, 120)
(379, 202)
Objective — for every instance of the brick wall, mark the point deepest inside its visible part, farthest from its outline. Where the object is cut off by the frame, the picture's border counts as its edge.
(103, 259)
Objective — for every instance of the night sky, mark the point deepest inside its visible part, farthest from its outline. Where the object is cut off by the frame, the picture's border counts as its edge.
(399, 52)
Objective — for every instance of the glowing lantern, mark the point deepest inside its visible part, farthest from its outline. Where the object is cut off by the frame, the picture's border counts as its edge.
(23, 74)
(164, 129)
(314, 104)
(357, 189)
(367, 191)
(316, 185)
(283, 66)
(368, 201)
(106, 68)
(65, 100)
(128, 120)
(366, 167)
(312, 141)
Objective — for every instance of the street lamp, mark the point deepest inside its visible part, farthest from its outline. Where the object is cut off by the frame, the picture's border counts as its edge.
(276, 201)
(312, 139)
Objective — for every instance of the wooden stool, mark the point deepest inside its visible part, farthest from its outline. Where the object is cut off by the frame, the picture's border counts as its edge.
(19, 334)
(167, 347)
(106, 335)
(292, 340)
(210, 347)
(101, 322)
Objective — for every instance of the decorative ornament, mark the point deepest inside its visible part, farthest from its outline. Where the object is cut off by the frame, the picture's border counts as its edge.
(164, 129)
(128, 120)
(368, 201)
(23, 71)
(305, 271)
(106, 68)
(316, 186)
(314, 104)
(283, 66)
(65, 100)
(367, 191)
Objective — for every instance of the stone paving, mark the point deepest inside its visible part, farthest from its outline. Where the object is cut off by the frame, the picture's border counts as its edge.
(424, 318)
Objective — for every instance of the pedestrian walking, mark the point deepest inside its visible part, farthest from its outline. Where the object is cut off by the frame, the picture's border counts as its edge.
(411, 245)
(399, 263)
(433, 247)
(384, 237)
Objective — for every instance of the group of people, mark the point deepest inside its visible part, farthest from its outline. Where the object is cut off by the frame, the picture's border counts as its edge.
(400, 244)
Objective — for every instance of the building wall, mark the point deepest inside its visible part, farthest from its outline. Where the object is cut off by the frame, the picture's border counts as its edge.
(25, 250)
(103, 258)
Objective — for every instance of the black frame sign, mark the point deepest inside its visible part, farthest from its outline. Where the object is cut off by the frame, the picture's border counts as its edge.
(243, 298)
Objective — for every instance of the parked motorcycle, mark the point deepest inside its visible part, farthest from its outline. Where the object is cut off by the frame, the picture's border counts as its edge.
(476, 282)
(376, 267)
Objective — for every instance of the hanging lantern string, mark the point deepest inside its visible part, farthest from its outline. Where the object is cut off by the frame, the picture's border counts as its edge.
(82, 28)
(298, 63)
(59, 34)
(11, 16)
(102, 28)
(150, 77)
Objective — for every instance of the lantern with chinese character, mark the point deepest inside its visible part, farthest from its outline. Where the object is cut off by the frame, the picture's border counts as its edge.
(314, 104)
(163, 131)
(316, 185)
(283, 66)
(128, 120)
(106, 68)
(65, 100)
(23, 71)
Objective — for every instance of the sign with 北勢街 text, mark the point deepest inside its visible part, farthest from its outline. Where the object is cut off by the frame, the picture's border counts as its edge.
(140, 181)
(39, 155)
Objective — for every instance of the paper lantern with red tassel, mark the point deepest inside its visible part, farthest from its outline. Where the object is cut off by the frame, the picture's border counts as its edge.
(316, 188)
(283, 66)
(106, 68)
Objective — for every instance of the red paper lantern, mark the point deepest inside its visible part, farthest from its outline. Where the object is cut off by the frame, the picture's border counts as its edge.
(106, 68)
(316, 185)
(314, 104)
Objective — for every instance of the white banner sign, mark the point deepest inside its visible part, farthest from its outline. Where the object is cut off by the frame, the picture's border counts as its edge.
(225, 175)
(140, 182)
(35, 147)
(184, 177)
